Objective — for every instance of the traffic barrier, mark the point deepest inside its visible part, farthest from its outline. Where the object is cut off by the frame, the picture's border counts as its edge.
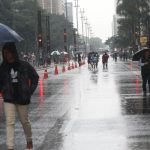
(45, 74)
(63, 69)
(56, 70)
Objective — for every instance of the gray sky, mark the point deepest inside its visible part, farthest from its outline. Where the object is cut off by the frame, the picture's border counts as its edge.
(100, 14)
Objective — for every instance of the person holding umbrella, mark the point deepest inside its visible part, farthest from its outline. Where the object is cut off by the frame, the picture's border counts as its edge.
(145, 70)
(18, 81)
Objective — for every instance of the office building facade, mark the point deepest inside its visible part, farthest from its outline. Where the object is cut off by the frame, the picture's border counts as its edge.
(53, 6)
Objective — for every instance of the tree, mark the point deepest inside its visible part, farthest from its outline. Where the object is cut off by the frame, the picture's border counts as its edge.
(132, 19)
(96, 43)
(21, 15)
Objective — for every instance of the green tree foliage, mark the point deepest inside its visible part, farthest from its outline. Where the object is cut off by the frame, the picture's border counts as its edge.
(96, 43)
(57, 26)
(132, 21)
(21, 15)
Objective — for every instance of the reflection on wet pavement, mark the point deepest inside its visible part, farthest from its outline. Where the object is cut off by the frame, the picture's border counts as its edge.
(89, 110)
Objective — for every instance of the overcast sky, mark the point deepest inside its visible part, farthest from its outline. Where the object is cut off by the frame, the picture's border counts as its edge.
(100, 15)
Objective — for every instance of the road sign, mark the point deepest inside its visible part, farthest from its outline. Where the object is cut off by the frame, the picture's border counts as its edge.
(143, 40)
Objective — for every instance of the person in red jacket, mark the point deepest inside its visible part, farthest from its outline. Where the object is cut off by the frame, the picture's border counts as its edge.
(105, 60)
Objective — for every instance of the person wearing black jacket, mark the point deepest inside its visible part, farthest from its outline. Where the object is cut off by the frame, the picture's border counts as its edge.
(18, 81)
(145, 70)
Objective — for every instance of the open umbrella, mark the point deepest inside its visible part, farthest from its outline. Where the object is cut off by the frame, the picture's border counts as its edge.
(8, 35)
(55, 53)
(64, 53)
(139, 54)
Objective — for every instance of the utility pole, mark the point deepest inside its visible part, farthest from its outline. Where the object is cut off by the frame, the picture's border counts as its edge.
(77, 20)
(82, 19)
(75, 40)
(39, 37)
(48, 38)
(65, 29)
(77, 14)
(39, 26)
(86, 31)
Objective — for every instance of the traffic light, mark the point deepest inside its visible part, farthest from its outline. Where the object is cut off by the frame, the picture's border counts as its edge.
(40, 41)
(65, 36)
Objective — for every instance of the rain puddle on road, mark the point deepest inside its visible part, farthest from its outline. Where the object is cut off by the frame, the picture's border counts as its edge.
(98, 122)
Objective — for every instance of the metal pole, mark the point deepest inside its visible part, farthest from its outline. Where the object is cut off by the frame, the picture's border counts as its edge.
(82, 19)
(66, 9)
(48, 34)
(86, 31)
(51, 6)
(77, 22)
(39, 30)
(65, 29)
(77, 18)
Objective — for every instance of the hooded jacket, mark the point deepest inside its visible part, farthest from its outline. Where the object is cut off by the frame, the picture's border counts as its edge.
(27, 79)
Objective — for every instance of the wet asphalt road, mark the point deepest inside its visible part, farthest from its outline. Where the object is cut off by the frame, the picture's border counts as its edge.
(88, 110)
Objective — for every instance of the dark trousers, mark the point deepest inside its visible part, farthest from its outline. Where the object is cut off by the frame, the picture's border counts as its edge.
(145, 78)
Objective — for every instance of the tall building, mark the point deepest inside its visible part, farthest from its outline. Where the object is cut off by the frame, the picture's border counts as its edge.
(115, 24)
(70, 11)
(46, 5)
(53, 6)
(58, 7)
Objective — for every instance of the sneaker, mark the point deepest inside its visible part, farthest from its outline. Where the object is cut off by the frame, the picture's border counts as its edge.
(29, 145)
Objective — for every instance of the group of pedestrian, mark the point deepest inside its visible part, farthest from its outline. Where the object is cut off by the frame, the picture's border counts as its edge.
(93, 59)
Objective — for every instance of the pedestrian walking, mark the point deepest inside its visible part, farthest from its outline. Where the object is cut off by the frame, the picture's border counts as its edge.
(18, 81)
(79, 60)
(105, 60)
(145, 70)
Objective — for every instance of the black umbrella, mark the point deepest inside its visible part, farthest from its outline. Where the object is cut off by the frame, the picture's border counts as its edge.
(139, 54)
(8, 35)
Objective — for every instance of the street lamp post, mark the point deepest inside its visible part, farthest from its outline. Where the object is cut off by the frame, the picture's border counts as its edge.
(65, 29)
(86, 33)
(48, 38)
(39, 36)
(77, 18)
(77, 21)
(82, 19)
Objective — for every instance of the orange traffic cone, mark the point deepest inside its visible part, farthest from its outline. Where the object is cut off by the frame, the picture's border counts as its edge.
(72, 65)
(45, 74)
(63, 69)
(56, 70)
(69, 68)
